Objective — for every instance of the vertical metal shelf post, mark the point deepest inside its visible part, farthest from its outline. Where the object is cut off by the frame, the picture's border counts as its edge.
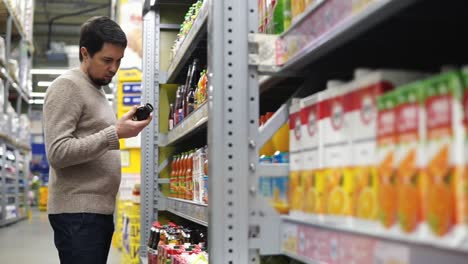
(149, 147)
(4, 181)
(26, 185)
(17, 184)
(233, 124)
(9, 25)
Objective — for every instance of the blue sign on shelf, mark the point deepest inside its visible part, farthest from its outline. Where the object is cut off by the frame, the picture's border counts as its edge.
(132, 100)
(132, 87)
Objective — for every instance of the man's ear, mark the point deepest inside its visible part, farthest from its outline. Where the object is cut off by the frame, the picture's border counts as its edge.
(84, 53)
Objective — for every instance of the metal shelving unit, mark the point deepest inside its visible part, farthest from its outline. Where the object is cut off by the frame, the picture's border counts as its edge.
(153, 76)
(11, 180)
(13, 29)
(242, 225)
(314, 240)
(232, 115)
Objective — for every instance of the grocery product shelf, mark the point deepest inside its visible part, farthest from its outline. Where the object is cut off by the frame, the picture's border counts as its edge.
(9, 176)
(301, 258)
(303, 238)
(4, 74)
(196, 120)
(348, 24)
(193, 211)
(189, 45)
(303, 17)
(9, 221)
(157, 3)
(5, 11)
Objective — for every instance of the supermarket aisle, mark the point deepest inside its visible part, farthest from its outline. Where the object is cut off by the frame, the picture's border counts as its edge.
(31, 241)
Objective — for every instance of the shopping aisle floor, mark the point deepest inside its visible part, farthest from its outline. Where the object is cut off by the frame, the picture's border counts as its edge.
(32, 241)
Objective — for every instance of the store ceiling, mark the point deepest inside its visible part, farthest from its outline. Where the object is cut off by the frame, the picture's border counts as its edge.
(64, 28)
(67, 17)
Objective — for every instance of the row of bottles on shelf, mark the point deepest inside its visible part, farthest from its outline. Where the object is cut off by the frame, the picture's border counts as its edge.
(186, 25)
(189, 176)
(173, 244)
(389, 147)
(189, 96)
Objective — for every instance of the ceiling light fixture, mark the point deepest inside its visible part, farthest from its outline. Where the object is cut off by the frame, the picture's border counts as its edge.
(48, 71)
(44, 84)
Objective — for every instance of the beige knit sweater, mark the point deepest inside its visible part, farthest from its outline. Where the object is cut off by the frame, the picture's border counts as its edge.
(82, 146)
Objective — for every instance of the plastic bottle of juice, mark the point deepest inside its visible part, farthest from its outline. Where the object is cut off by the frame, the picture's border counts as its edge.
(189, 177)
(173, 178)
(205, 177)
(187, 168)
(176, 176)
(183, 168)
(195, 176)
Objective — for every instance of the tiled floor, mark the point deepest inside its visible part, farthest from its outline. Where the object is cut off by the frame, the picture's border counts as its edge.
(31, 241)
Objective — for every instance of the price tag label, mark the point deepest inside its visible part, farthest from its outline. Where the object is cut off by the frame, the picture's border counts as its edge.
(289, 238)
(387, 253)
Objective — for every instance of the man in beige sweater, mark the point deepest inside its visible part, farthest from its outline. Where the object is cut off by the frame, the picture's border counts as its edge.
(82, 145)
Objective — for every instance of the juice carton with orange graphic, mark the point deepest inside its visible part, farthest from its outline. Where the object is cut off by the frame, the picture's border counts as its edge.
(444, 198)
(296, 190)
(337, 155)
(386, 150)
(312, 178)
(465, 152)
(411, 129)
(366, 87)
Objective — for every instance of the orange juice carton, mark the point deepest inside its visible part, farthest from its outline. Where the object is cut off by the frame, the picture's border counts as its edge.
(386, 151)
(444, 198)
(265, 184)
(280, 185)
(464, 188)
(337, 155)
(366, 87)
(312, 159)
(296, 191)
(411, 129)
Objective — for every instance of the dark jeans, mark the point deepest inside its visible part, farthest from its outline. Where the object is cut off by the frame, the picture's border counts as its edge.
(82, 238)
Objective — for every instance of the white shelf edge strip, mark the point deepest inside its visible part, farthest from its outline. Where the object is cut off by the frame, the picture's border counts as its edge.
(379, 233)
(273, 170)
(187, 201)
(193, 219)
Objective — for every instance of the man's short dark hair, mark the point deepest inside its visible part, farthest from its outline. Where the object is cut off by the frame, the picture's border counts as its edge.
(99, 30)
